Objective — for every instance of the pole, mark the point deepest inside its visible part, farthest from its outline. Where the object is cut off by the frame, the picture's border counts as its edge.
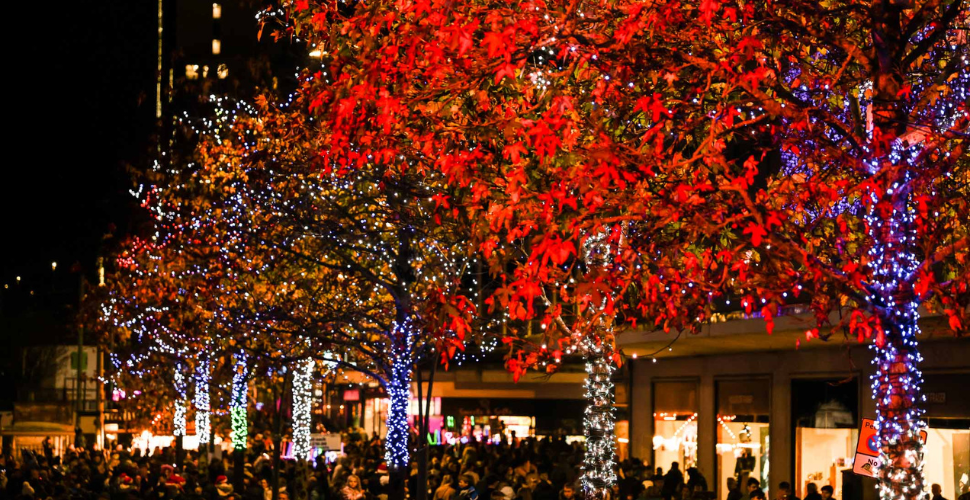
(100, 370)
(100, 397)
(78, 394)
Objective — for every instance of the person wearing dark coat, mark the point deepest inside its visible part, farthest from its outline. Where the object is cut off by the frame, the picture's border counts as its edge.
(673, 482)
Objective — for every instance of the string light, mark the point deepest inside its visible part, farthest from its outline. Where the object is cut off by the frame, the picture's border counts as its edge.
(181, 390)
(399, 392)
(238, 403)
(302, 400)
(201, 402)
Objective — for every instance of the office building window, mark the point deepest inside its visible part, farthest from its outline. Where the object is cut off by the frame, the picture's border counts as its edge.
(216, 46)
(217, 11)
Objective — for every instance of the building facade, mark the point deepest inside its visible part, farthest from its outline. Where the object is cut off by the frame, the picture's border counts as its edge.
(736, 402)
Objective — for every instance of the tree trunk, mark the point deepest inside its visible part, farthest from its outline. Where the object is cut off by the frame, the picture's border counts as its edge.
(599, 421)
(238, 469)
(179, 453)
(421, 446)
(238, 418)
(396, 451)
(896, 385)
(278, 437)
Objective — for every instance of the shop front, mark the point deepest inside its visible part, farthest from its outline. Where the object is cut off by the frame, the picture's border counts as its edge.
(789, 415)
(497, 419)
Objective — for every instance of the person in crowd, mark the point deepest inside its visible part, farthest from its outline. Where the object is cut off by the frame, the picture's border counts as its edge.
(734, 491)
(222, 487)
(447, 490)
(785, 492)
(673, 482)
(695, 479)
(754, 489)
(937, 491)
(544, 489)
(466, 488)
(352, 489)
(568, 492)
(631, 487)
(527, 491)
(828, 492)
(811, 492)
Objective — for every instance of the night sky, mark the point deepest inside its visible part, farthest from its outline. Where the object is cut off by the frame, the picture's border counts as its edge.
(80, 102)
(83, 109)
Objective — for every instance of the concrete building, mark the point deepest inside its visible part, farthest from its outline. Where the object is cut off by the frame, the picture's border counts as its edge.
(53, 403)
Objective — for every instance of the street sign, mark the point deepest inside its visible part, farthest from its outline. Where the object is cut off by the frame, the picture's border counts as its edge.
(867, 449)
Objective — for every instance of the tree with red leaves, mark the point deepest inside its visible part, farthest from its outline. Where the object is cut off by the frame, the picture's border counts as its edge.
(854, 186)
(579, 156)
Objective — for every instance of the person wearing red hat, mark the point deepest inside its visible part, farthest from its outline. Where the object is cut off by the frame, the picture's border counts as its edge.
(126, 484)
(223, 488)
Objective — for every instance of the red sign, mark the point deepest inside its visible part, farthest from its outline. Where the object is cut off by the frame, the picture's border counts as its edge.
(867, 449)
(352, 395)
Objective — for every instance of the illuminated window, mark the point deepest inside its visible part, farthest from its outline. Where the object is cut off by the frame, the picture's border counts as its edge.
(742, 432)
(675, 423)
(205, 71)
(222, 71)
(826, 420)
(216, 11)
(216, 46)
(192, 71)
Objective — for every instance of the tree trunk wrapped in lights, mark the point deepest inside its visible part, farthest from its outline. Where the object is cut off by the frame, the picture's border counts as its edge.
(396, 447)
(599, 423)
(201, 402)
(178, 418)
(239, 403)
(897, 381)
(302, 400)
(238, 415)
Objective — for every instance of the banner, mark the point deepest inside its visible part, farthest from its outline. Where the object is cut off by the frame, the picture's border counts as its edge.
(325, 442)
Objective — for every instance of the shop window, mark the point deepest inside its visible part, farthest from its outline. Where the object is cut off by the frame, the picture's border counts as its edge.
(826, 423)
(743, 443)
(675, 424)
(946, 455)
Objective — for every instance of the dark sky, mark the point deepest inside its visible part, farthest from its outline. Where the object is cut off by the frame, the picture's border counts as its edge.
(83, 108)
(80, 102)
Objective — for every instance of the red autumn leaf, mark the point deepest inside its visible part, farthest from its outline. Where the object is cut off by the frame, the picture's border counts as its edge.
(757, 233)
(507, 69)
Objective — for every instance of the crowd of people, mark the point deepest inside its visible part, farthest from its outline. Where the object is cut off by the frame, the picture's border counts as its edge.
(528, 469)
